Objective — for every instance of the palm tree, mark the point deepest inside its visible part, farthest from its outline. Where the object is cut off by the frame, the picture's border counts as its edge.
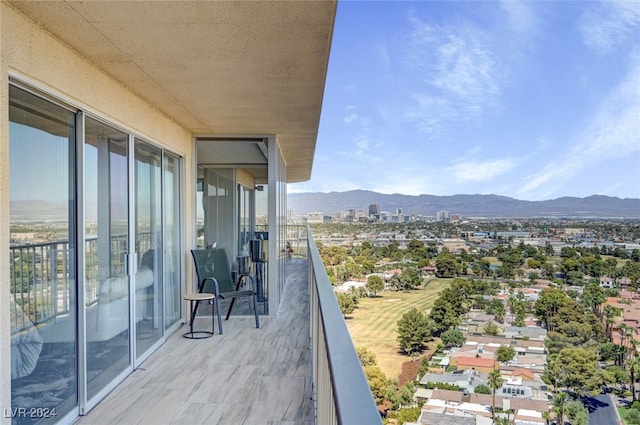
(626, 341)
(495, 382)
(633, 365)
(558, 405)
(610, 313)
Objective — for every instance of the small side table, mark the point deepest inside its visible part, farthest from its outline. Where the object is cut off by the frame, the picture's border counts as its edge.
(196, 298)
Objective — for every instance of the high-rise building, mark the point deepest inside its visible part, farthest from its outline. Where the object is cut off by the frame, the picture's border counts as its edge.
(443, 215)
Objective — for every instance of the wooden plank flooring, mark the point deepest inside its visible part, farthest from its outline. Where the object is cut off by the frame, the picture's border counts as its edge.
(246, 376)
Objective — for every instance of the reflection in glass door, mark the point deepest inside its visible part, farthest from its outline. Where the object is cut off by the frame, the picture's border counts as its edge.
(42, 287)
(148, 231)
(107, 294)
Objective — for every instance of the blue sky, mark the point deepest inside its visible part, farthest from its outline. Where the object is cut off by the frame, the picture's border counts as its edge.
(529, 99)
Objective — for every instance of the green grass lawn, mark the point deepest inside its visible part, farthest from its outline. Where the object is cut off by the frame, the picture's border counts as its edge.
(373, 324)
(623, 412)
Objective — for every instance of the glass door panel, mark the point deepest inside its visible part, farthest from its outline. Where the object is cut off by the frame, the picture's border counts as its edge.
(107, 295)
(148, 233)
(42, 288)
(172, 252)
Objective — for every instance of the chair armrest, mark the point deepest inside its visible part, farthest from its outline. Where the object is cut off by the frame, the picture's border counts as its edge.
(216, 288)
(241, 277)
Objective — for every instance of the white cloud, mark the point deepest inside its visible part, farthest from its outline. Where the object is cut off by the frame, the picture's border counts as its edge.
(465, 70)
(407, 182)
(350, 118)
(362, 146)
(457, 77)
(614, 133)
(349, 88)
(609, 24)
(457, 62)
(520, 15)
(480, 171)
(544, 143)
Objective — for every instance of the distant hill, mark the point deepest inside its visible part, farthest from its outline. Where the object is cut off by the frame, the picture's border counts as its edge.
(466, 205)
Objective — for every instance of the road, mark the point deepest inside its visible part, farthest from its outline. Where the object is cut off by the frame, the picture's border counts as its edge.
(602, 410)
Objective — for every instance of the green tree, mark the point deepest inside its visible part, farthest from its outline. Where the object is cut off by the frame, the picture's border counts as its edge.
(450, 305)
(404, 396)
(633, 367)
(505, 353)
(453, 338)
(446, 311)
(482, 389)
(366, 356)
(411, 277)
(485, 267)
(548, 304)
(346, 303)
(379, 384)
(494, 383)
(633, 417)
(374, 284)
(332, 255)
(559, 401)
(409, 414)
(578, 368)
(577, 413)
(496, 307)
(414, 330)
(490, 329)
(446, 265)
(610, 313)
(593, 297)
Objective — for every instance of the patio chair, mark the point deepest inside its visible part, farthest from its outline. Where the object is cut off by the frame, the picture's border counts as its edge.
(214, 276)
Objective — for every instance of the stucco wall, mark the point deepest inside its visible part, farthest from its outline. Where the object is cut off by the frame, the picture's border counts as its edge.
(5, 336)
(35, 57)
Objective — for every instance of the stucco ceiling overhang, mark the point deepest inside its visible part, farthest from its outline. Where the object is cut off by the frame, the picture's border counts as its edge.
(214, 67)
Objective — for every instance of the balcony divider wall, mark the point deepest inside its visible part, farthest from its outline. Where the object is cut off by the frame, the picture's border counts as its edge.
(277, 270)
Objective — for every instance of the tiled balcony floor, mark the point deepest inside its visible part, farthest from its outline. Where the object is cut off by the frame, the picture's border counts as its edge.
(246, 376)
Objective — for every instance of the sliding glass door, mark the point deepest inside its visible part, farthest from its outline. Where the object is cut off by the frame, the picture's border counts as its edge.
(42, 300)
(148, 246)
(106, 236)
(95, 255)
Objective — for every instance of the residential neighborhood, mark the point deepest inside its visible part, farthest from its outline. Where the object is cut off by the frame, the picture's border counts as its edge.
(512, 306)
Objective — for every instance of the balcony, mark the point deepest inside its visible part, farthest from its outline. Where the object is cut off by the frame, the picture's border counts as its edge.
(299, 368)
(245, 376)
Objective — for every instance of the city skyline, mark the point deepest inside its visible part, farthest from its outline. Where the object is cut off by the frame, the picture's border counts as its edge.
(530, 100)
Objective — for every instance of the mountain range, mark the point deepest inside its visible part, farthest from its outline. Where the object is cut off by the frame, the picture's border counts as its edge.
(494, 206)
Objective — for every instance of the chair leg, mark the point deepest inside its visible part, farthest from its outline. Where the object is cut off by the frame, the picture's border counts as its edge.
(194, 309)
(213, 322)
(193, 315)
(255, 309)
(233, 300)
(217, 305)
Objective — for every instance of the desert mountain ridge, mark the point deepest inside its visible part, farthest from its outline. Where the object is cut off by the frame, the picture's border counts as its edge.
(467, 205)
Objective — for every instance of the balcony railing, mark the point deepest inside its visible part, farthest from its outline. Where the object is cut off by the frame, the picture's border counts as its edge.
(342, 394)
(43, 277)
